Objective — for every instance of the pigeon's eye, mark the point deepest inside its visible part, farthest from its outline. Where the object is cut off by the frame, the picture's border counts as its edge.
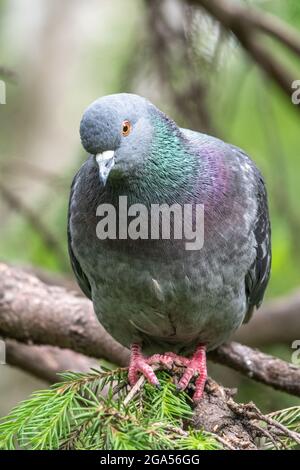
(126, 128)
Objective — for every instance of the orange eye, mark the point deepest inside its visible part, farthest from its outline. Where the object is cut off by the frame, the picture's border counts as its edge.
(126, 128)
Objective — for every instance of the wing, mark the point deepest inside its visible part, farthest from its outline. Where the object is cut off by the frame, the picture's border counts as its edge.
(257, 278)
(78, 271)
(258, 275)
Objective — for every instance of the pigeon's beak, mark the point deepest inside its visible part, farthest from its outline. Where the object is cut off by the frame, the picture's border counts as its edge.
(106, 161)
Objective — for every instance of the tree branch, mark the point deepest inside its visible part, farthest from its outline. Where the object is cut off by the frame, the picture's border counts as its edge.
(33, 311)
(169, 46)
(245, 22)
(259, 366)
(275, 27)
(45, 362)
(277, 321)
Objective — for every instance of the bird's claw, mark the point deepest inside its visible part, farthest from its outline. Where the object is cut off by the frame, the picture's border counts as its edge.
(139, 364)
(195, 367)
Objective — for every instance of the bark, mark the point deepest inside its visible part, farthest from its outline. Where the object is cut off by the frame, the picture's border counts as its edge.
(46, 362)
(259, 366)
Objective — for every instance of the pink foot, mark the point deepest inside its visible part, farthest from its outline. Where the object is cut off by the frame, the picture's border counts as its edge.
(196, 367)
(139, 364)
(168, 359)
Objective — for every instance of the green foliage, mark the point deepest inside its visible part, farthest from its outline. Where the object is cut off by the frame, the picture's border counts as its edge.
(87, 411)
(93, 411)
(290, 418)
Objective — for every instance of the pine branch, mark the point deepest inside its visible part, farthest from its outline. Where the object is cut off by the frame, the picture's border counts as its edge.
(74, 414)
(90, 411)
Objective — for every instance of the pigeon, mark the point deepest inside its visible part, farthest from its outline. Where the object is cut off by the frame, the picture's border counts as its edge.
(166, 299)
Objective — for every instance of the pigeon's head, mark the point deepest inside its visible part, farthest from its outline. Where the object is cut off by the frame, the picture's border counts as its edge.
(117, 130)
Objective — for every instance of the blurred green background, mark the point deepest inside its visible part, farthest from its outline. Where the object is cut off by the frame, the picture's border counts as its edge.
(66, 54)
